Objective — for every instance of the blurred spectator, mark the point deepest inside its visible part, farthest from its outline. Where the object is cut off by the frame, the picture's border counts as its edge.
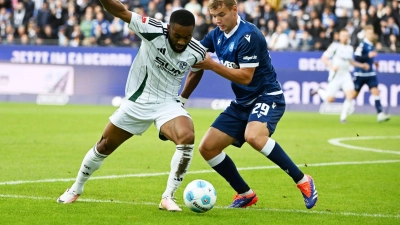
(201, 28)
(102, 23)
(47, 36)
(327, 15)
(76, 36)
(87, 25)
(376, 2)
(241, 12)
(279, 40)
(43, 15)
(356, 19)
(321, 42)
(293, 7)
(151, 9)
(193, 6)
(306, 42)
(374, 20)
(293, 40)
(19, 16)
(59, 15)
(307, 24)
(393, 44)
(5, 4)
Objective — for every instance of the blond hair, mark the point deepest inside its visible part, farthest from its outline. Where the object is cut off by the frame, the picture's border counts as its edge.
(368, 27)
(214, 4)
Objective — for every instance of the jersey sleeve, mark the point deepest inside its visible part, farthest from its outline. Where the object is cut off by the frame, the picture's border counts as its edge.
(208, 42)
(147, 28)
(330, 52)
(248, 51)
(199, 52)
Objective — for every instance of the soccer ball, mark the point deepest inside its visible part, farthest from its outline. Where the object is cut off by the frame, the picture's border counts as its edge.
(200, 196)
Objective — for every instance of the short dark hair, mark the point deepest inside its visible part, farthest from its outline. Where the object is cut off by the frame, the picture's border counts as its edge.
(182, 17)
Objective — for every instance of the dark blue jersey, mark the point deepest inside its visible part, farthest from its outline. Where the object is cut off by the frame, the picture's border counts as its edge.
(361, 55)
(245, 46)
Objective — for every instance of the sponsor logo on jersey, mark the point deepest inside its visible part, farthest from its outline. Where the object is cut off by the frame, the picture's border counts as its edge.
(231, 45)
(247, 37)
(228, 64)
(249, 57)
(144, 19)
(164, 65)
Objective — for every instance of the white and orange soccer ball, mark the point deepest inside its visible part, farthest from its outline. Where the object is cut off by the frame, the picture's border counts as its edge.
(200, 196)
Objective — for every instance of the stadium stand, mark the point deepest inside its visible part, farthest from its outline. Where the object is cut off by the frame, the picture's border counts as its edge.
(300, 25)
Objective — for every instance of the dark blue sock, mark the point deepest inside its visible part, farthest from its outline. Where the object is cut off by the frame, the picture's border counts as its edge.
(378, 105)
(227, 169)
(280, 158)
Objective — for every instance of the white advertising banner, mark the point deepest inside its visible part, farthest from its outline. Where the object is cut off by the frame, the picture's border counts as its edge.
(36, 79)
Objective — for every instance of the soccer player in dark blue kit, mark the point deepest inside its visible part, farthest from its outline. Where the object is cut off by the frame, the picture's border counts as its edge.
(365, 53)
(252, 117)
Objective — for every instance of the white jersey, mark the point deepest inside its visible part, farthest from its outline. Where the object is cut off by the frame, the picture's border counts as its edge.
(340, 56)
(157, 71)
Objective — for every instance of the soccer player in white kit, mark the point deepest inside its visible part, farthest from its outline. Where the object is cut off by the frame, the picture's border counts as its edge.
(338, 58)
(165, 56)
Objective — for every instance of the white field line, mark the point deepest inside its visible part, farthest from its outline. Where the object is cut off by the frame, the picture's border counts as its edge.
(218, 207)
(338, 142)
(194, 172)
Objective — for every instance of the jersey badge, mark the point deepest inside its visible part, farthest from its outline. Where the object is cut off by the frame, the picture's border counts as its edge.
(182, 65)
(219, 41)
(144, 19)
(231, 45)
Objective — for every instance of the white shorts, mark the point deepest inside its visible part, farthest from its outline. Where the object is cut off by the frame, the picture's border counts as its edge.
(136, 118)
(341, 81)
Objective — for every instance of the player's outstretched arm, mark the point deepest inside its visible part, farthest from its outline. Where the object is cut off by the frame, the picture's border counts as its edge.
(239, 76)
(116, 8)
(363, 66)
(192, 80)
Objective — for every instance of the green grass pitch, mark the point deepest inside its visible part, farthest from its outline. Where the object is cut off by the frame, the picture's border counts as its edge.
(41, 149)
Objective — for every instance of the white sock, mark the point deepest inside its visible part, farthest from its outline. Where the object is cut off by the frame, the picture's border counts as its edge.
(247, 192)
(304, 179)
(346, 108)
(267, 149)
(322, 93)
(92, 162)
(179, 165)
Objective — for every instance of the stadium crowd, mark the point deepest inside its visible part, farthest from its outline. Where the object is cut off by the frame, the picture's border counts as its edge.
(303, 25)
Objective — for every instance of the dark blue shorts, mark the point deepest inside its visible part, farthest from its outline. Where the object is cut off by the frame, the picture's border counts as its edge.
(371, 81)
(267, 109)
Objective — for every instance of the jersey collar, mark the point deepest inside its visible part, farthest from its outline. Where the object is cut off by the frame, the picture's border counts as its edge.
(228, 35)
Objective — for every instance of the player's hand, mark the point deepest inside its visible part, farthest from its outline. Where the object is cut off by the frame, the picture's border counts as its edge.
(334, 68)
(372, 54)
(365, 66)
(206, 64)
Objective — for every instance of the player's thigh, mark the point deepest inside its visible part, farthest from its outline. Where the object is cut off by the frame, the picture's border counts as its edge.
(233, 123)
(333, 87)
(173, 121)
(372, 82)
(213, 142)
(348, 87)
(358, 83)
(112, 138)
(135, 119)
(269, 110)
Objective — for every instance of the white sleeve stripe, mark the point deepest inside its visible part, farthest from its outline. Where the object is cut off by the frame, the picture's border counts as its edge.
(248, 65)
